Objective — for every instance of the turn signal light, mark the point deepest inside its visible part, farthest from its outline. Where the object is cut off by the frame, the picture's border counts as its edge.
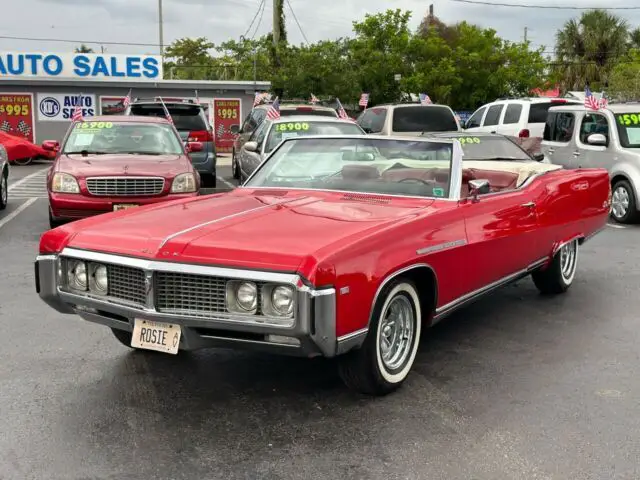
(200, 136)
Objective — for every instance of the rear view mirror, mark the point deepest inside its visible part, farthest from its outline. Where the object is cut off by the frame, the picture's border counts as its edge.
(597, 139)
(235, 129)
(538, 157)
(251, 146)
(478, 187)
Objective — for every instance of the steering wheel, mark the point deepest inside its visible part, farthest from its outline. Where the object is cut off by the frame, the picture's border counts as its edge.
(417, 180)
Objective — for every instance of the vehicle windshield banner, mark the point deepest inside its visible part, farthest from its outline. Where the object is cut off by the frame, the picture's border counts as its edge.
(16, 115)
(226, 112)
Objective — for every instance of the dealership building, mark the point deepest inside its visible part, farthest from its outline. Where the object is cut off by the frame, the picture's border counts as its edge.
(39, 91)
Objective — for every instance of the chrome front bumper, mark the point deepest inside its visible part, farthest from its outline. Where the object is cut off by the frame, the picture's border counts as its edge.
(314, 327)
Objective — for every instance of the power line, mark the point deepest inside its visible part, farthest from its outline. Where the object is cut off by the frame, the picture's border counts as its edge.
(554, 7)
(260, 6)
(264, 4)
(297, 22)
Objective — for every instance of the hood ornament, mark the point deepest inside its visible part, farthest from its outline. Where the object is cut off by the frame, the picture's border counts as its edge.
(126, 169)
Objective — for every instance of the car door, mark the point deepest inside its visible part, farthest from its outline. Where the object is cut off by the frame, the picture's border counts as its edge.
(557, 141)
(594, 156)
(474, 122)
(492, 118)
(510, 122)
(251, 123)
(249, 161)
(501, 233)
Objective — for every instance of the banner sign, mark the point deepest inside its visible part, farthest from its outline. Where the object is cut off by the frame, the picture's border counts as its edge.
(81, 66)
(58, 107)
(226, 112)
(112, 106)
(16, 115)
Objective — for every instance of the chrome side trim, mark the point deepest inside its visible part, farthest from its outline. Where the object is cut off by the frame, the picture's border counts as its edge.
(457, 164)
(46, 257)
(351, 341)
(441, 246)
(471, 296)
(155, 265)
(211, 222)
(557, 247)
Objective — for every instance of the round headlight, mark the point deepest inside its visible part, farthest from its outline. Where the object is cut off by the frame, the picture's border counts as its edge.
(100, 277)
(79, 276)
(247, 296)
(282, 300)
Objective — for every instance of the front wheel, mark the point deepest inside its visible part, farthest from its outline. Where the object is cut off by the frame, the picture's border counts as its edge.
(559, 275)
(385, 359)
(623, 203)
(4, 191)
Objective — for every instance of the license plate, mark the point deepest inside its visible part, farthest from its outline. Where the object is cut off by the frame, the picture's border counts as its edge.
(123, 206)
(162, 337)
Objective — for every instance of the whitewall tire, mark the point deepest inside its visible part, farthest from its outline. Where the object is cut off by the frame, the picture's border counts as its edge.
(559, 275)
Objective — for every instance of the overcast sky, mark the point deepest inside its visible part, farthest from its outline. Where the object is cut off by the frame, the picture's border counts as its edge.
(136, 21)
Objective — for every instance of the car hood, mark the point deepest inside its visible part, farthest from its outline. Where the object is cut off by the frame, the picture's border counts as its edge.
(256, 229)
(99, 165)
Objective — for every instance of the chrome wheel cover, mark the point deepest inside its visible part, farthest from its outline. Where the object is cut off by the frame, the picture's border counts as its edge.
(396, 332)
(568, 260)
(620, 202)
(3, 190)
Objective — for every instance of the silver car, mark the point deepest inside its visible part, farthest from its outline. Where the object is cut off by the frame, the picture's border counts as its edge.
(578, 137)
(4, 177)
(271, 132)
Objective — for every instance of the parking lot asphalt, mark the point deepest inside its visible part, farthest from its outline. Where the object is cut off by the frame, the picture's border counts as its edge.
(515, 386)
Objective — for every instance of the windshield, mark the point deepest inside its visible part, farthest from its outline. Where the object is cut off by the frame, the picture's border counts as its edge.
(628, 129)
(397, 167)
(423, 119)
(283, 130)
(185, 117)
(491, 148)
(124, 138)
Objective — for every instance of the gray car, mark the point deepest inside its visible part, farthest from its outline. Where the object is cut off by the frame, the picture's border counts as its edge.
(191, 122)
(271, 132)
(578, 137)
(4, 177)
(408, 119)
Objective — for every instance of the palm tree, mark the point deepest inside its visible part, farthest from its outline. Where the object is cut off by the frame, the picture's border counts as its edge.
(84, 49)
(588, 48)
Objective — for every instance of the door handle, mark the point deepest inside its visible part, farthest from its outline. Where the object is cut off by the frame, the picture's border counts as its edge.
(493, 131)
(550, 150)
(576, 154)
(529, 204)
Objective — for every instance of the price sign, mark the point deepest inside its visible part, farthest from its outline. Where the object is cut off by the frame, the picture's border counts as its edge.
(16, 115)
(292, 127)
(628, 119)
(464, 140)
(226, 112)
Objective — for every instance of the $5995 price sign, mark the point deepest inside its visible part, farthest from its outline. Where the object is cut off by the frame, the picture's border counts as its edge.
(16, 115)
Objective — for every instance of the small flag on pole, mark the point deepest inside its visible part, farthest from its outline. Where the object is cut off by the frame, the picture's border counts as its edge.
(589, 100)
(166, 112)
(274, 110)
(364, 100)
(127, 100)
(604, 103)
(76, 116)
(425, 99)
(342, 113)
(314, 99)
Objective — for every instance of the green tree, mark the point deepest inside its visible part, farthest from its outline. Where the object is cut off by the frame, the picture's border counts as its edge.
(635, 39)
(589, 47)
(83, 49)
(624, 82)
(189, 59)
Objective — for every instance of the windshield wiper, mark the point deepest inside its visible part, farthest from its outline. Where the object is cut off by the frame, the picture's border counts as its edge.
(85, 152)
(142, 153)
(504, 159)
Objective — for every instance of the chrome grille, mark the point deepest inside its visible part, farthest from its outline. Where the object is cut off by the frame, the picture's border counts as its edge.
(125, 186)
(127, 283)
(189, 294)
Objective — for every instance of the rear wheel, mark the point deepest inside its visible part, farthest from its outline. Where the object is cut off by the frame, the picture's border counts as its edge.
(385, 359)
(559, 275)
(624, 202)
(4, 191)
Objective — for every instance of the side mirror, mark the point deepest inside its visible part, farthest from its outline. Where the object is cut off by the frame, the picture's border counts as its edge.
(478, 187)
(194, 147)
(597, 139)
(251, 146)
(235, 129)
(538, 157)
(51, 145)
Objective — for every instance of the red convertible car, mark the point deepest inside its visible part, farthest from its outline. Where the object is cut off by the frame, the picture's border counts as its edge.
(342, 246)
(117, 162)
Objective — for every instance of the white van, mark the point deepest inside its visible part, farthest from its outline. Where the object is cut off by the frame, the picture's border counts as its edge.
(522, 117)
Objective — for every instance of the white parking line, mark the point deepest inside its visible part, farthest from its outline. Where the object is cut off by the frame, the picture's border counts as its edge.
(17, 211)
(25, 179)
(228, 184)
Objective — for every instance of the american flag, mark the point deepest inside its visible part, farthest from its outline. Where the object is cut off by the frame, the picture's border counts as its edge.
(77, 114)
(589, 100)
(259, 97)
(604, 103)
(274, 110)
(127, 100)
(342, 113)
(314, 99)
(364, 100)
(424, 99)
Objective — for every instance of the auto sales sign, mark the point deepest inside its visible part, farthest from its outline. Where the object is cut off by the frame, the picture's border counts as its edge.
(58, 107)
(81, 66)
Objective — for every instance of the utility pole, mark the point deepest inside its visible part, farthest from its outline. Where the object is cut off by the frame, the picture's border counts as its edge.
(277, 10)
(526, 29)
(160, 34)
